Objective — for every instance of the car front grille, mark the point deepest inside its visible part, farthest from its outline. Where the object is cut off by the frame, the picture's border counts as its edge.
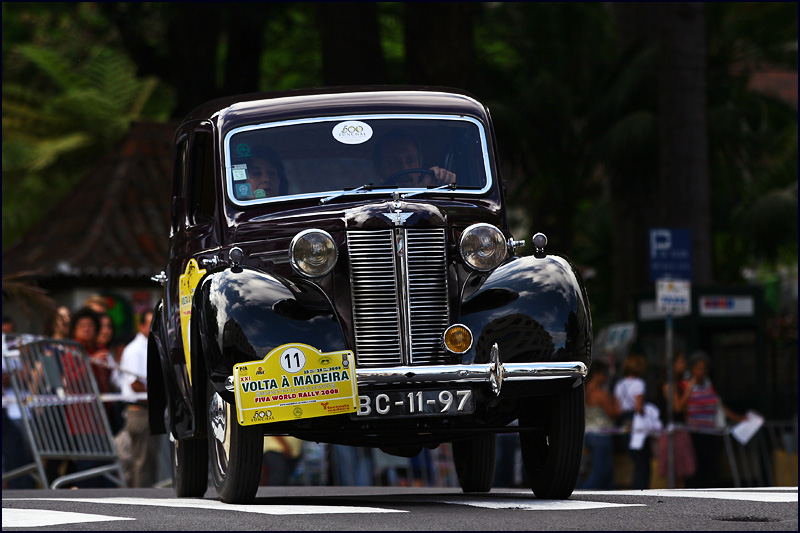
(399, 291)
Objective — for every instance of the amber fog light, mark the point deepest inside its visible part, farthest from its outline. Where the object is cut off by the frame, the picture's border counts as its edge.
(457, 338)
(312, 252)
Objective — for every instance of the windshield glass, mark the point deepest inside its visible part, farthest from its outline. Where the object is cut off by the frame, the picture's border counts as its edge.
(371, 155)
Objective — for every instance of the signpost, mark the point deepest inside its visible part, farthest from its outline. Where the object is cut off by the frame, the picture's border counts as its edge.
(671, 269)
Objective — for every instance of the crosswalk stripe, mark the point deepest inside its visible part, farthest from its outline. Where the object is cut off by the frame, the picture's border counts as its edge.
(42, 518)
(218, 505)
(715, 494)
(538, 505)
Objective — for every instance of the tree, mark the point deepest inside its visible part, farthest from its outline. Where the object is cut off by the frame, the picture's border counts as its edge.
(50, 134)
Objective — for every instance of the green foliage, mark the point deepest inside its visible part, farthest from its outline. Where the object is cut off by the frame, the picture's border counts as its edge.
(291, 55)
(54, 130)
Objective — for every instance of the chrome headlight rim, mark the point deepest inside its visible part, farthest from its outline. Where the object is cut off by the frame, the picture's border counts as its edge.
(297, 263)
(500, 242)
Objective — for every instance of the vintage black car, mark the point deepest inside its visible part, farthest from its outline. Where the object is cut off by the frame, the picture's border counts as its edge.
(342, 271)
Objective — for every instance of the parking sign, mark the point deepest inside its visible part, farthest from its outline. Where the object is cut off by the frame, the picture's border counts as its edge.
(670, 254)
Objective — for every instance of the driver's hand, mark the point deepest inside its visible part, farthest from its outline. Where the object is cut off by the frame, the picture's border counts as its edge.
(443, 176)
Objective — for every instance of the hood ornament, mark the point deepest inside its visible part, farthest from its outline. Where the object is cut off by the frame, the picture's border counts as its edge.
(397, 217)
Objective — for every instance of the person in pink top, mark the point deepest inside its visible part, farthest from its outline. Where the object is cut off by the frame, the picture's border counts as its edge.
(703, 406)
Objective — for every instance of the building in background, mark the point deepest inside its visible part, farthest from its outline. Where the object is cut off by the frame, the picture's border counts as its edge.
(106, 237)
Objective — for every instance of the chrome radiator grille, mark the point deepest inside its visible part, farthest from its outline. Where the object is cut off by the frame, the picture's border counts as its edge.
(399, 291)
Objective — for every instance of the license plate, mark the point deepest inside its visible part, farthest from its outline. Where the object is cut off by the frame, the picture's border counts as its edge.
(396, 404)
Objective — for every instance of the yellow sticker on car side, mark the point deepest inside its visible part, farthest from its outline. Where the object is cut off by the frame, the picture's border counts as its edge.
(187, 283)
(295, 381)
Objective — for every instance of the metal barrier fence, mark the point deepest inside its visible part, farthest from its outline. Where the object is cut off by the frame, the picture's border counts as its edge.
(62, 412)
(768, 458)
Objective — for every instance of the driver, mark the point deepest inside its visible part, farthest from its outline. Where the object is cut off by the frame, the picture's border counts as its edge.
(396, 152)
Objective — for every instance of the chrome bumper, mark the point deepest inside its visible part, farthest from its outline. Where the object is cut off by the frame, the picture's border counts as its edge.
(494, 373)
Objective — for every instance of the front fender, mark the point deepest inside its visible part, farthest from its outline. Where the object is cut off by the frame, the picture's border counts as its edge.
(242, 314)
(534, 308)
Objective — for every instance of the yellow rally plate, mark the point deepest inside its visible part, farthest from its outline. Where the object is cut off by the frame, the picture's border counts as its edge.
(295, 381)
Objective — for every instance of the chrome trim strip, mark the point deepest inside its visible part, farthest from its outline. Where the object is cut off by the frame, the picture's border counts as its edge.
(475, 373)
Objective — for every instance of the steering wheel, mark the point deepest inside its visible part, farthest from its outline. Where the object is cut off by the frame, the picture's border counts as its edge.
(395, 177)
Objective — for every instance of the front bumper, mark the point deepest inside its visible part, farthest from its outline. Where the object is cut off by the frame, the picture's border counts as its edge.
(494, 373)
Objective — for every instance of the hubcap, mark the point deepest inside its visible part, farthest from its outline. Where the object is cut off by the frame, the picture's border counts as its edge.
(218, 426)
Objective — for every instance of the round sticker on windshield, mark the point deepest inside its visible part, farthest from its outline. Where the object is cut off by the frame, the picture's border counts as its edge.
(352, 132)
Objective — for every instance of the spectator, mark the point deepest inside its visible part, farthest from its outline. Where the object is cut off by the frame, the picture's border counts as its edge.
(85, 327)
(96, 303)
(104, 357)
(16, 452)
(144, 446)
(58, 326)
(281, 455)
(602, 410)
(508, 449)
(684, 462)
(703, 409)
(352, 466)
(630, 393)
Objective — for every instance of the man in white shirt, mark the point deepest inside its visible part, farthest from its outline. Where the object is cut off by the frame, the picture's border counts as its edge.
(144, 447)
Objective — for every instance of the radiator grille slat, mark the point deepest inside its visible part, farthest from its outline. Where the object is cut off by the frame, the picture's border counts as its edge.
(376, 271)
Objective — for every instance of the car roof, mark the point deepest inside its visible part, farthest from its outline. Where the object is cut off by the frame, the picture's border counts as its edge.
(251, 108)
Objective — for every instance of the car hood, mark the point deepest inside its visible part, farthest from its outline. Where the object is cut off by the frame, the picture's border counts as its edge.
(366, 216)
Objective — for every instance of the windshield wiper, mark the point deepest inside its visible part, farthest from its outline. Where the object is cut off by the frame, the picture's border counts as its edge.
(451, 186)
(357, 190)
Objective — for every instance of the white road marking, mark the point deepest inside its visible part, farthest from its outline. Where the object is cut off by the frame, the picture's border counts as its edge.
(539, 505)
(41, 518)
(220, 506)
(716, 494)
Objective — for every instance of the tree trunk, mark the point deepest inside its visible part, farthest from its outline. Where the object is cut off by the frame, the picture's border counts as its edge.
(351, 46)
(439, 43)
(684, 184)
(677, 194)
(245, 34)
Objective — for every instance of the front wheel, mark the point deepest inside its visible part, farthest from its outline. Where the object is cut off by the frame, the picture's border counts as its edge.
(552, 458)
(236, 452)
(475, 460)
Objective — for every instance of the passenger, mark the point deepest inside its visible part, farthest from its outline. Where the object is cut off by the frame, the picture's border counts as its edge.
(395, 157)
(265, 176)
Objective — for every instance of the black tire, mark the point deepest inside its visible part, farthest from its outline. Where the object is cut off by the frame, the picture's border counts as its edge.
(190, 467)
(475, 460)
(236, 452)
(552, 458)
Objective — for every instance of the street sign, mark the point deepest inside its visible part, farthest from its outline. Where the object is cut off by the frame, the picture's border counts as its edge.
(674, 297)
(670, 254)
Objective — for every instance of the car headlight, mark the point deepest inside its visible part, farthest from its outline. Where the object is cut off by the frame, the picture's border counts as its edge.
(483, 246)
(312, 253)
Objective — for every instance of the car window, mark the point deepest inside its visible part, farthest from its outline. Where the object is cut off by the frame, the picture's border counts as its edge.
(319, 157)
(178, 183)
(201, 178)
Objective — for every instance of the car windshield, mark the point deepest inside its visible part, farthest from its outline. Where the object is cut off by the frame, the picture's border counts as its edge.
(332, 157)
